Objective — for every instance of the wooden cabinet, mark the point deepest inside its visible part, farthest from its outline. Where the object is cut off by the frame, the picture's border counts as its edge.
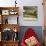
(9, 29)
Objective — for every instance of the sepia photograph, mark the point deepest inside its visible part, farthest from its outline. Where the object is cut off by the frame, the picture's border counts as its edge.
(30, 12)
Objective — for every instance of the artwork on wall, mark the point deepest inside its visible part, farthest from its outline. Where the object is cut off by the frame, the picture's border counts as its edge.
(5, 12)
(30, 12)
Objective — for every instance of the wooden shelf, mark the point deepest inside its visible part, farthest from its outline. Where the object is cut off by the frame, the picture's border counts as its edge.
(9, 43)
(4, 13)
(10, 26)
(9, 9)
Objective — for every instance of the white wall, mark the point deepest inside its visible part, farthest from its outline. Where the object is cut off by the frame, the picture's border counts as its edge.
(38, 3)
(7, 3)
(21, 3)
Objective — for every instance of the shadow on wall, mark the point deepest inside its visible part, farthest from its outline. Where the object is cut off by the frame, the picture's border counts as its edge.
(37, 29)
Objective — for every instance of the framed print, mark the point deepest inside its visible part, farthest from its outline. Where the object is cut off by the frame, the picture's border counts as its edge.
(30, 12)
(5, 12)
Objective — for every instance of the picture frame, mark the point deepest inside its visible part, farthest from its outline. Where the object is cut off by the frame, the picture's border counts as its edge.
(30, 13)
(5, 12)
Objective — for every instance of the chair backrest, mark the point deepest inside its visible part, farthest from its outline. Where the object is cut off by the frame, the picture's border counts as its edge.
(29, 33)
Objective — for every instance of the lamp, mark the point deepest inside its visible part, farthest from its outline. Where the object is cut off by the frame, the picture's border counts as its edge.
(15, 3)
(15, 30)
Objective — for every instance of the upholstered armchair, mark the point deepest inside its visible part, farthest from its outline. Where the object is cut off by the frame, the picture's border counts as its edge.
(30, 38)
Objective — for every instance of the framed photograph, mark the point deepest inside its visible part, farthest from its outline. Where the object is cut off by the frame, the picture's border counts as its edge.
(5, 12)
(30, 12)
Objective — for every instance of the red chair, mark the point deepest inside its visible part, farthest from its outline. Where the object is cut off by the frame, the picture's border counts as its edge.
(29, 33)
